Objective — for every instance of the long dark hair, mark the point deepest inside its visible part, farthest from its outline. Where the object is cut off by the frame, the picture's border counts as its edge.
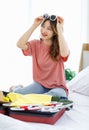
(54, 48)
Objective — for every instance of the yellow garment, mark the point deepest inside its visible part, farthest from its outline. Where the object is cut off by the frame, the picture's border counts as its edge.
(20, 100)
(2, 98)
(14, 96)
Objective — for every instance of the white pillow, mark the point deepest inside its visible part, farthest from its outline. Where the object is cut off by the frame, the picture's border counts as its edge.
(80, 83)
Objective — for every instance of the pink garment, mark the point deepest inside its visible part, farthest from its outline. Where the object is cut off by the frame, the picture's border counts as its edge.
(47, 72)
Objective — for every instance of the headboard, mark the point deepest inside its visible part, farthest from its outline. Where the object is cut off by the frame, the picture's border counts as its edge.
(84, 59)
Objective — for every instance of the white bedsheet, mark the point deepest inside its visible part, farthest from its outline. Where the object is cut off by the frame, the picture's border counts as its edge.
(75, 119)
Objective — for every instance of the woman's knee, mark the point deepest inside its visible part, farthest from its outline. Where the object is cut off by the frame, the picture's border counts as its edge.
(57, 92)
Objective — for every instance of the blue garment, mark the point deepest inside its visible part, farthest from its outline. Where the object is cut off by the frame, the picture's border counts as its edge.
(37, 88)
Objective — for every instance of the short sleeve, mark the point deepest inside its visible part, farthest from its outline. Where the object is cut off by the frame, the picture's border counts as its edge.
(65, 58)
(27, 52)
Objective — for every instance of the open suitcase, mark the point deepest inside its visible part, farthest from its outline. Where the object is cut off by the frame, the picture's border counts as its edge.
(2, 109)
(47, 113)
(40, 117)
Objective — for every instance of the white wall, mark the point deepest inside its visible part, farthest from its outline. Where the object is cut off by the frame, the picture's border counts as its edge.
(85, 21)
(14, 67)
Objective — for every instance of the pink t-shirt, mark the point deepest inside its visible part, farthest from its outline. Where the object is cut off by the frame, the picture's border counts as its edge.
(47, 72)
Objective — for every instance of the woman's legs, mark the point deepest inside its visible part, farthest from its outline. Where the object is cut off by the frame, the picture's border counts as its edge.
(39, 89)
(32, 88)
(60, 92)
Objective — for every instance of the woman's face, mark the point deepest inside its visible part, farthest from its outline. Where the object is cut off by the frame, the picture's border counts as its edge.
(46, 31)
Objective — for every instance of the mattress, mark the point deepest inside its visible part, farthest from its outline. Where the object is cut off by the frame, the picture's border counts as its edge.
(75, 119)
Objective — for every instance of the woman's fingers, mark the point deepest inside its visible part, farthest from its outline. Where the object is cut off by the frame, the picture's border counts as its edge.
(60, 19)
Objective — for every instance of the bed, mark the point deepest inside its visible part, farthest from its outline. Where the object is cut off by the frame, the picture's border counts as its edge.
(75, 119)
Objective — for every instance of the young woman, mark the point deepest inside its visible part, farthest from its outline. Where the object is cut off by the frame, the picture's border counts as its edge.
(49, 54)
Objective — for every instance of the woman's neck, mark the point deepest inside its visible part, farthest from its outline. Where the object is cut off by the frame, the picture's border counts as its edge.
(47, 42)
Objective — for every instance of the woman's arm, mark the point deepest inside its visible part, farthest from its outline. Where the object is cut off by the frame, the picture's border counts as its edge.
(64, 50)
(25, 37)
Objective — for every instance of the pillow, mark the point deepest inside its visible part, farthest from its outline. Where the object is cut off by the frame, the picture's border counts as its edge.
(80, 83)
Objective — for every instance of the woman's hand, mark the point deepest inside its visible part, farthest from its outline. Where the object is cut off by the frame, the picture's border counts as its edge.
(60, 22)
(38, 21)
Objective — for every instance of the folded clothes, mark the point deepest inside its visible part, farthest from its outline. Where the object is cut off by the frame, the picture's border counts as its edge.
(20, 99)
(17, 99)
